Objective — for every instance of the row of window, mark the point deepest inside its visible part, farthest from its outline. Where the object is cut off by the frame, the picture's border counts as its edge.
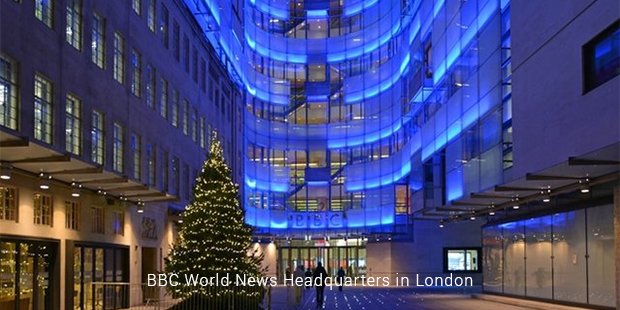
(74, 20)
(43, 207)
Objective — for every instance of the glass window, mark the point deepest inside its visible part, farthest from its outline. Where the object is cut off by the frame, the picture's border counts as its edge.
(119, 58)
(461, 260)
(74, 23)
(514, 253)
(163, 99)
(151, 156)
(601, 57)
(8, 203)
(569, 257)
(118, 222)
(72, 215)
(42, 109)
(175, 108)
(136, 73)
(150, 86)
(165, 168)
(202, 132)
(136, 147)
(176, 46)
(175, 175)
(194, 124)
(492, 256)
(186, 52)
(8, 92)
(150, 15)
(98, 134)
(44, 11)
(98, 41)
(316, 73)
(43, 209)
(601, 256)
(73, 125)
(539, 279)
(185, 118)
(97, 216)
(163, 25)
(136, 5)
(117, 147)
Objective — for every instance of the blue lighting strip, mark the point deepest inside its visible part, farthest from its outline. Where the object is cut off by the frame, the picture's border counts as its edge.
(467, 37)
(375, 90)
(358, 6)
(316, 14)
(273, 11)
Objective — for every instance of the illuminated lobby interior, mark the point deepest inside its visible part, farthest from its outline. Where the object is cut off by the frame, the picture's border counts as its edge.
(474, 137)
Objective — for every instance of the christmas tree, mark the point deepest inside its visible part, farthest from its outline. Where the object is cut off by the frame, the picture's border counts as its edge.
(214, 241)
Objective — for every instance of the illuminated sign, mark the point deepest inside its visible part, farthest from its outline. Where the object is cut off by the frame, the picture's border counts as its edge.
(312, 220)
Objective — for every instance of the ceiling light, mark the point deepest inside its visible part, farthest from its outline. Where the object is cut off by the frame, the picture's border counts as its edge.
(441, 224)
(491, 213)
(140, 207)
(5, 170)
(515, 203)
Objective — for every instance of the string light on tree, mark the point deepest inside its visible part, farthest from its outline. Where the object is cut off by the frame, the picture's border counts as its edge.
(214, 238)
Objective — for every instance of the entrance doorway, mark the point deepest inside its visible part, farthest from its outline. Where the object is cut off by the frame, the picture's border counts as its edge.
(350, 257)
(149, 266)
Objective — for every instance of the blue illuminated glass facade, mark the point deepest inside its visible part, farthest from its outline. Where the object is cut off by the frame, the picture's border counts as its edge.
(358, 112)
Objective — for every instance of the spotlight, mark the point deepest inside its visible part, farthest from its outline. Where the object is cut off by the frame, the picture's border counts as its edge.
(491, 213)
(44, 181)
(584, 186)
(5, 170)
(140, 207)
(546, 194)
(516, 207)
(516, 203)
(473, 218)
(75, 191)
(441, 224)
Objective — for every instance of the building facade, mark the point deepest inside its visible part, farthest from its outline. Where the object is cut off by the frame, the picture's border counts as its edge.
(106, 112)
(381, 135)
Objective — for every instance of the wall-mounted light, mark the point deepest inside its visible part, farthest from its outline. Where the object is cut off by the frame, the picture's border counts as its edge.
(5, 170)
(584, 185)
(140, 207)
(75, 189)
(546, 195)
(491, 213)
(515, 203)
(44, 181)
(441, 224)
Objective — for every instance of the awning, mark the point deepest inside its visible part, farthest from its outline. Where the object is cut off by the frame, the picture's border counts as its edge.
(34, 158)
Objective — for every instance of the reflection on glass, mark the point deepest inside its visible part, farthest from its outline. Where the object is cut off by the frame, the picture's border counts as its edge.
(569, 252)
(514, 252)
(538, 251)
(492, 259)
(26, 273)
(77, 277)
(8, 268)
(601, 278)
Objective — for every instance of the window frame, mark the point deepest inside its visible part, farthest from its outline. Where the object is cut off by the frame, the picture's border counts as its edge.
(587, 50)
(478, 250)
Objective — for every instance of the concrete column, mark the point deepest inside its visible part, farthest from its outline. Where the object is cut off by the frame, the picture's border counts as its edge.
(617, 241)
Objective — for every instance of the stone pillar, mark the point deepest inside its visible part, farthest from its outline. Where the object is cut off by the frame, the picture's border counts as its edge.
(617, 241)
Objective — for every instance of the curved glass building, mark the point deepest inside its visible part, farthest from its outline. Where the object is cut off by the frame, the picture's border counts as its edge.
(350, 105)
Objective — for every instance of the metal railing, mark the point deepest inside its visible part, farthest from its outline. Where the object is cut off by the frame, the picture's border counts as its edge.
(122, 295)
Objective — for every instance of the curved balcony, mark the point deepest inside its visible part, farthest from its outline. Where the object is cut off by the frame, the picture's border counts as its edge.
(275, 8)
(276, 91)
(354, 218)
(378, 30)
(384, 171)
(266, 177)
(376, 81)
(281, 135)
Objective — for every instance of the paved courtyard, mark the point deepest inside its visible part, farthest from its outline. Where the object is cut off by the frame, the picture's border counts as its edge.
(354, 298)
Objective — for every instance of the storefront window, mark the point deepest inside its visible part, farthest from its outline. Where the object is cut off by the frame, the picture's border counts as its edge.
(27, 280)
(461, 260)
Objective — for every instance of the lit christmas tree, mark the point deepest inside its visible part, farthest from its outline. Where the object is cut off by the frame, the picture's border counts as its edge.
(214, 241)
